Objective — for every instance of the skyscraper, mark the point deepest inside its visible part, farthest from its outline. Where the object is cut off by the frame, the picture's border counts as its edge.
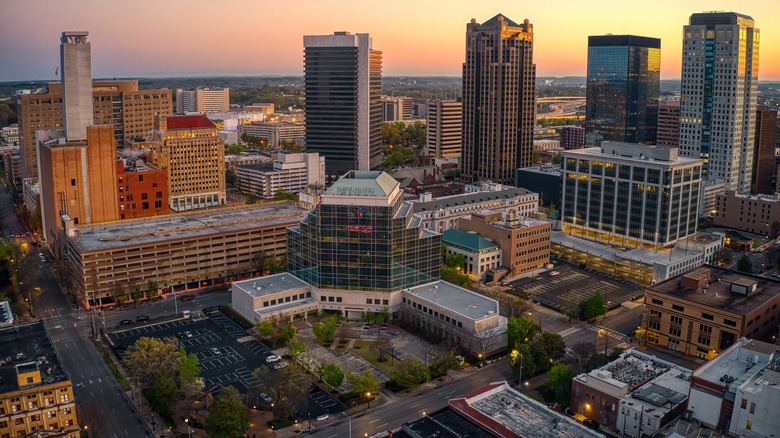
(343, 85)
(445, 127)
(76, 62)
(668, 123)
(499, 98)
(718, 96)
(622, 89)
(764, 151)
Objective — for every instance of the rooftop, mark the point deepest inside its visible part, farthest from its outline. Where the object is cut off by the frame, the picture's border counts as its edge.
(467, 240)
(737, 364)
(6, 315)
(457, 299)
(630, 371)
(506, 412)
(718, 292)
(469, 199)
(633, 152)
(28, 347)
(442, 424)
(189, 122)
(497, 19)
(662, 394)
(611, 253)
(363, 183)
(148, 230)
(271, 284)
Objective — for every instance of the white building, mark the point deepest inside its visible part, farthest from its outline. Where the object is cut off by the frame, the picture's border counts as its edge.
(275, 132)
(630, 194)
(546, 145)
(709, 196)
(442, 213)
(444, 126)
(481, 254)
(718, 96)
(289, 172)
(10, 135)
(245, 159)
(202, 100)
(734, 392)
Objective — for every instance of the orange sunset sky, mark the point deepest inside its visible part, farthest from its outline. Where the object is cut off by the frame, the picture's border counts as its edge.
(145, 38)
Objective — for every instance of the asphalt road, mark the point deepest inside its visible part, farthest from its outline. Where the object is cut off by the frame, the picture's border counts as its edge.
(404, 409)
(156, 310)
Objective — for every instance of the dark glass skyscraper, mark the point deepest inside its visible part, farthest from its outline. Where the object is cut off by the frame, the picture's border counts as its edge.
(622, 89)
(343, 86)
(361, 236)
(499, 98)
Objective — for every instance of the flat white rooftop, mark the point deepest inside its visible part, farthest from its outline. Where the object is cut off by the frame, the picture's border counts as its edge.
(271, 284)
(456, 299)
(613, 253)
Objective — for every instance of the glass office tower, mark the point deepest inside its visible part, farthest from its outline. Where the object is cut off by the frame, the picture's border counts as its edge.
(361, 236)
(622, 89)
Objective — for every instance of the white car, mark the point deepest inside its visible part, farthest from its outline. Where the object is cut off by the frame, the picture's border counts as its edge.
(216, 351)
(554, 273)
(272, 358)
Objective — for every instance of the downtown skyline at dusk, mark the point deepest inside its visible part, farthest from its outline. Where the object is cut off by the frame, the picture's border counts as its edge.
(238, 37)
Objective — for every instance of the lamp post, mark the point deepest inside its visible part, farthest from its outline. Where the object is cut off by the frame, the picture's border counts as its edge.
(368, 396)
(189, 431)
(603, 333)
(350, 424)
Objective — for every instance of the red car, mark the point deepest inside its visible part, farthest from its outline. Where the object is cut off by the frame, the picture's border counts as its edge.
(187, 298)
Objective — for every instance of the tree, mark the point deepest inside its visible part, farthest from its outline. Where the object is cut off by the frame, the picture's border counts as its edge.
(364, 382)
(455, 276)
(521, 331)
(161, 392)
(774, 230)
(744, 264)
(333, 375)
(522, 358)
(559, 379)
(258, 263)
(147, 356)
(94, 418)
(410, 372)
(265, 328)
(288, 332)
(295, 347)
(228, 417)
(325, 329)
(189, 383)
(724, 256)
(553, 345)
(282, 195)
(593, 306)
(583, 350)
(382, 347)
(442, 362)
(287, 387)
(456, 261)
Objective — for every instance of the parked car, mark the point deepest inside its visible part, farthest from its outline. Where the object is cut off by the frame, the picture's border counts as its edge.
(554, 273)
(265, 397)
(185, 314)
(188, 334)
(126, 322)
(141, 318)
(278, 365)
(216, 351)
(272, 358)
(187, 298)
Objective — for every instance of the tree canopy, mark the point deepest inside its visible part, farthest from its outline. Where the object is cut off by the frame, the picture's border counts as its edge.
(228, 417)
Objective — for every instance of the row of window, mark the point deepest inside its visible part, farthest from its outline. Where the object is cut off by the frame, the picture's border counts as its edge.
(433, 313)
(289, 298)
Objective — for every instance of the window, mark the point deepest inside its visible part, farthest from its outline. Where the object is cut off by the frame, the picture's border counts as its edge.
(72, 181)
(678, 308)
(674, 331)
(323, 298)
(707, 316)
(752, 408)
(743, 405)
(369, 301)
(331, 299)
(676, 320)
(338, 299)
(730, 322)
(705, 328)
(658, 302)
(385, 302)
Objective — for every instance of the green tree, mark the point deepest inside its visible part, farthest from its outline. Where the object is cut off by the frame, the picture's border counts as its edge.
(282, 195)
(744, 264)
(235, 149)
(522, 358)
(724, 256)
(190, 367)
(288, 332)
(265, 328)
(228, 417)
(593, 306)
(333, 375)
(410, 372)
(161, 392)
(363, 382)
(325, 329)
(148, 356)
(442, 362)
(455, 276)
(456, 261)
(296, 347)
(553, 345)
(287, 387)
(559, 379)
(521, 331)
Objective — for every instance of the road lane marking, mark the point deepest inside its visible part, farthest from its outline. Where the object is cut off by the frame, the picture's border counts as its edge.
(381, 426)
(372, 422)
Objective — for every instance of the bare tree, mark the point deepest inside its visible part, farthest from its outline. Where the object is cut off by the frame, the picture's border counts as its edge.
(583, 350)
(93, 417)
(382, 347)
(287, 387)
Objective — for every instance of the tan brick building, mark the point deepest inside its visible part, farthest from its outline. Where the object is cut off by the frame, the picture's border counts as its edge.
(706, 311)
(36, 395)
(136, 118)
(524, 242)
(754, 214)
(78, 179)
(176, 252)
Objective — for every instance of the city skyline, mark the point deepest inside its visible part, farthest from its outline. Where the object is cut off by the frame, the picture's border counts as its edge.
(158, 40)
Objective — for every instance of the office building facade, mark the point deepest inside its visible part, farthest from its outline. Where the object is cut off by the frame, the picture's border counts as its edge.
(764, 151)
(668, 123)
(289, 172)
(202, 100)
(343, 87)
(444, 129)
(622, 89)
(630, 194)
(143, 189)
(572, 137)
(275, 133)
(718, 96)
(751, 213)
(499, 105)
(362, 236)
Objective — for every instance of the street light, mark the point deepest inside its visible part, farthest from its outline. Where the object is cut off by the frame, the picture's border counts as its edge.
(189, 431)
(368, 396)
(603, 333)
(350, 424)
(515, 354)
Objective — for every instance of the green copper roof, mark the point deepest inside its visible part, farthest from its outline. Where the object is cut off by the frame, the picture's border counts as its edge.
(493, 22)
(470, 241)
(364, 183)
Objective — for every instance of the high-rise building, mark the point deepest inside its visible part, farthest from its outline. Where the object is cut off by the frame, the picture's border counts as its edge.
(630, 194)
(397, 108)
(202, 100)
(622, 89)
(343, 83)
(444, 129)
(193, 153)
(76, 63)
(718, 96)
(764, 151)
(143, 188)
(119, 103)
(668, 123)
(499, 104)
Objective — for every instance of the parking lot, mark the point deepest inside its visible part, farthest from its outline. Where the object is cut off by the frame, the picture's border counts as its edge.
(571, 286)
(223, 359)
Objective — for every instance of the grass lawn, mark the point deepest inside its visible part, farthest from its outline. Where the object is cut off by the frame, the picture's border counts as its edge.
(365, 351)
